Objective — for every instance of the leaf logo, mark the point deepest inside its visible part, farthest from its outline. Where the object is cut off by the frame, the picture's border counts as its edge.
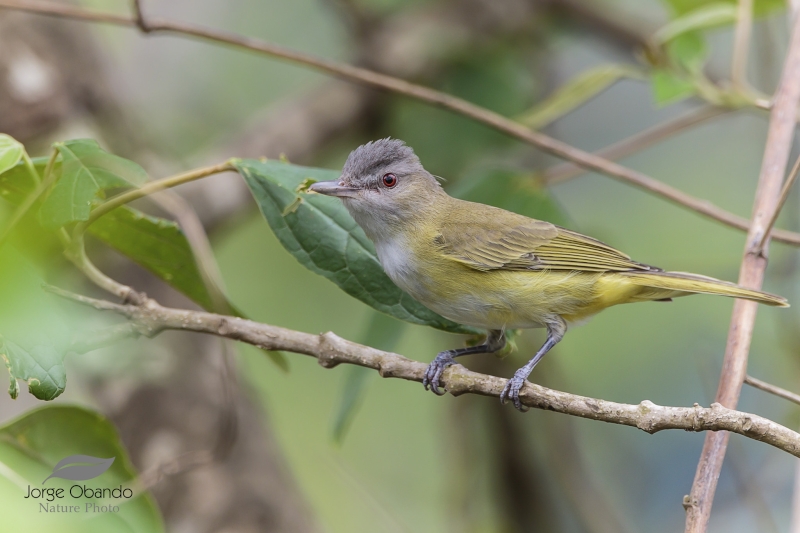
(80, 467)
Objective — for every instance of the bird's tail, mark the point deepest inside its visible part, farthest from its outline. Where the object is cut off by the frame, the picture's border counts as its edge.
(665, 285)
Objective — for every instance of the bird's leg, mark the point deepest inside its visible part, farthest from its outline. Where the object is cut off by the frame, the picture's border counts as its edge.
(555, 332)
(495, 341)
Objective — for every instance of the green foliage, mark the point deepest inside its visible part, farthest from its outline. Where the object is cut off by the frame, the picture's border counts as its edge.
(669, 87)
(158, 245)
(576, 92)
(155, 243)
(34, 333)
(760, 7)
(321, 235)
(32, 445)
(11, 152)
(86, 171)
(42, 367)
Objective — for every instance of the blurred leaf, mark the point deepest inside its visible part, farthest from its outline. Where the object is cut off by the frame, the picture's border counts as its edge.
(42, 368)
(383, 332)
(158, 245)
(33, 332)
(575, 93)
(669, 87)
(704, 17)
(10, 152)
(760, 7)
(318, 232)
(86, 170)
(689, 51)
(15, 183)
(33, 444)
(510, 190)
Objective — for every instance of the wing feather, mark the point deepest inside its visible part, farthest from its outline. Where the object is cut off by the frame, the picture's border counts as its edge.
(515, 242)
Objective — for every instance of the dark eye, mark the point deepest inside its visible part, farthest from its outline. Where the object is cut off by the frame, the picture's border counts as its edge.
(390, 180)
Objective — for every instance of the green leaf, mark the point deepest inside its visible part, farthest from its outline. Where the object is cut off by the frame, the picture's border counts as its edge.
(669, 87)
(32, 445)
(86, 170)
(11, 151)
(15, 184)
(760, 7)
(42, 366)
(702, 18)
(158, 245)
(575, 93)
(321, 235)
(689, 51)
(382, 332)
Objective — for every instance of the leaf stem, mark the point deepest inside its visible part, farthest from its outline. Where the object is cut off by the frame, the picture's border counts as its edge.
(150, 188)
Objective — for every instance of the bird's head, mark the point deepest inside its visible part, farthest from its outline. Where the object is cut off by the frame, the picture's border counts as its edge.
(384, 187)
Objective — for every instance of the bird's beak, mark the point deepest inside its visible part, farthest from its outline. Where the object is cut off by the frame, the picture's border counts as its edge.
(332, 188)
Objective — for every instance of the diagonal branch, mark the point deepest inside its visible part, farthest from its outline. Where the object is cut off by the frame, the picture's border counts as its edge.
(734, 366)
(150, 319)
(348, 72)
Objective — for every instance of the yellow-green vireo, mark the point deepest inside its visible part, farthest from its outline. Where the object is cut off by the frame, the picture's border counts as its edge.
(490, 268)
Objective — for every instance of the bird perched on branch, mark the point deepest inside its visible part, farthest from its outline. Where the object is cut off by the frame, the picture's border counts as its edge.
(489, 268)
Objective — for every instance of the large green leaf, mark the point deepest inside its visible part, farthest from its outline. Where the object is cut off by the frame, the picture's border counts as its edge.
(318, 232)
(86, 170)
(30, 449)
(158, 245)
(11, 152)
(576, 92)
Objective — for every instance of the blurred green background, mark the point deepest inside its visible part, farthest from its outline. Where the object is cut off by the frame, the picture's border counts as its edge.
(412, 461)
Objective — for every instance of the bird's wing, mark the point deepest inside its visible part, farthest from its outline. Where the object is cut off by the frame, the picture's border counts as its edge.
(520, 243)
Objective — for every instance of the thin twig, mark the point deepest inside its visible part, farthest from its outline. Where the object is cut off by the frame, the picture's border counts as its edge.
(76, 253)
(741, 43)
(150, 188)
(138, 16)
(772, 389)
(635, 143)
(734, 367)
(419, 92)
(150, 319)
(787, 187)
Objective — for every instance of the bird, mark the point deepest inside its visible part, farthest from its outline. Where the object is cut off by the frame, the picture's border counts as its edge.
(493, 269)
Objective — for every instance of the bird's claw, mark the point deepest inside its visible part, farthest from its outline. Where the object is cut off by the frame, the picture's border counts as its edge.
(511, 391)
(435, 370)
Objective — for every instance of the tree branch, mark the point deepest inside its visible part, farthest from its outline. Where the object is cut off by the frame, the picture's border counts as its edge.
(635, 143)
(734, 367)
(772, 389)
(150, 319)
(375, 79)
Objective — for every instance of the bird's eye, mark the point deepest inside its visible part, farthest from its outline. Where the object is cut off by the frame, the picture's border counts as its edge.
(390, 180)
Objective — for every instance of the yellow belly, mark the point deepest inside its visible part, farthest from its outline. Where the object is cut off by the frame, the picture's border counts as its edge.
(515, 299)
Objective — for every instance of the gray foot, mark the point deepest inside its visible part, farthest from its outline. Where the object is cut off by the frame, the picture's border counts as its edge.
(435, 370)
(511, 391)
